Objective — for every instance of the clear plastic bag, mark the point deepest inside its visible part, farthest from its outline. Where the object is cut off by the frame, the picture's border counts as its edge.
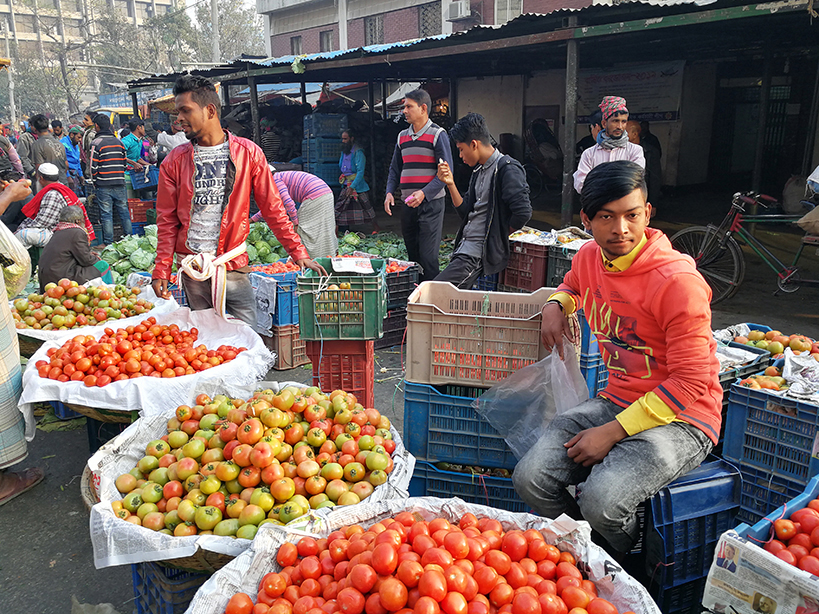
(15, 260)
(522, 405)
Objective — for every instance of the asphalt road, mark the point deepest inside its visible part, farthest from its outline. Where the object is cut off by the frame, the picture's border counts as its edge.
(45, 550)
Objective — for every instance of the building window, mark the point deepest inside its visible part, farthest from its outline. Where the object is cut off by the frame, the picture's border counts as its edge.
(295, 45)
(326, 40)
(374, 30)
(507, 10)
(129, 7)
(429, 20)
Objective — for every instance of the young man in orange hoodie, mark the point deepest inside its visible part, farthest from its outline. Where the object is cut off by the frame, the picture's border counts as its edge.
(659, 416)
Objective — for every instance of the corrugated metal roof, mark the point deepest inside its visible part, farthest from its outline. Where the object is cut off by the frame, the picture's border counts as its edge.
(525, 24)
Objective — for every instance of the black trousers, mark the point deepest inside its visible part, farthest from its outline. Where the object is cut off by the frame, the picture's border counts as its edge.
(462, 271)
(422, 228)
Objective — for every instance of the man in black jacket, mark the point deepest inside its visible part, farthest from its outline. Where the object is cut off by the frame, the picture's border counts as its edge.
(496, 203)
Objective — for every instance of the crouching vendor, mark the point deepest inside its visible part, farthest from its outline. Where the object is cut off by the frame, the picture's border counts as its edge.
(659, 416)
(203, 206)
(68, 254)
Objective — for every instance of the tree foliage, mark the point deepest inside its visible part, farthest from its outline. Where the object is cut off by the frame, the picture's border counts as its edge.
(240, 29)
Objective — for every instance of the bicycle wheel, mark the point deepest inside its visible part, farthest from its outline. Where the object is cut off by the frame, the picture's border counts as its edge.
(535, 180)
(722, 267)
(791, 281)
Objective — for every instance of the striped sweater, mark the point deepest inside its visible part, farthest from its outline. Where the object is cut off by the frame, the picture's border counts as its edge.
(294, 188)
(415, 161)
(107, 161)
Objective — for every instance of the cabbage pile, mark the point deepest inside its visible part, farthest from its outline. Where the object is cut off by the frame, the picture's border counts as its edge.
(262, 245)
(131, 254)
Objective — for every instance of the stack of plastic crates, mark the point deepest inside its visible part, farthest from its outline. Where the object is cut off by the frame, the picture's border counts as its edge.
(526, 270)
(164, 590)
(321, 147)
(340, 325)
(284, 335)
(459, 344)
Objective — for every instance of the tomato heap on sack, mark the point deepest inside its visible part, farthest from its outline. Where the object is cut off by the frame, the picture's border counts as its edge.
(147, 349)
(227, 466)
(276, 268)
(797, 539)
(412, 566)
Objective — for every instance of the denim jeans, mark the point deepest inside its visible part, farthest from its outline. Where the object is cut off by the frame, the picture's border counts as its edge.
(108, 200)
(634, 470)
(240, 300)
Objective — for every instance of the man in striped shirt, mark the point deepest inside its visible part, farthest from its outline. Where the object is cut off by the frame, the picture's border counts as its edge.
(414, 170)
(108, 177)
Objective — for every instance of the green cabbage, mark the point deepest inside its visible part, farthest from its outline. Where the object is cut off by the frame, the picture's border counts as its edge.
(117, 277)
(142, 260)
(251, 253)
(123, 267)
(128, 245)
(255, 234)
(273, 241)
(271, 258)
(150, 231)
(351, 238)
(262, 248)
(110, 255)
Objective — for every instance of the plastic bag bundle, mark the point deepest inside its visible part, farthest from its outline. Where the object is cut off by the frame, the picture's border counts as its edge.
(15, 260)
(521, 406)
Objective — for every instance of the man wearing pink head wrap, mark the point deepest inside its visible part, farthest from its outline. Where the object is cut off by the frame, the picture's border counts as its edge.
(612, 141)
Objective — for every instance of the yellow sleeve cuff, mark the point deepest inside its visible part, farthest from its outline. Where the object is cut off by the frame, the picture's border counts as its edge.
(566, 300)
(645, 413)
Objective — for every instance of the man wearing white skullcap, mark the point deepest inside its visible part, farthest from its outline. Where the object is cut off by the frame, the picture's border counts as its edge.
(43, 211)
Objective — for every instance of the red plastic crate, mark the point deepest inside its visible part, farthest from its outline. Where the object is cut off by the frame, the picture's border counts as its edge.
(289, 349)
(139, 209)
(527, 266)
(344, 365)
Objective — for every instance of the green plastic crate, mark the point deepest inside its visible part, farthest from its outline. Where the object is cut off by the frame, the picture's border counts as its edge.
(356, 313)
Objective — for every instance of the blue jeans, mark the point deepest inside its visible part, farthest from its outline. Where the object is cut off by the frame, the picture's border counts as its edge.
(108, 200)
(634, 470)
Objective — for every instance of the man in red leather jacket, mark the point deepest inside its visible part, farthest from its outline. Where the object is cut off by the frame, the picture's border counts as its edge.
(203, 207)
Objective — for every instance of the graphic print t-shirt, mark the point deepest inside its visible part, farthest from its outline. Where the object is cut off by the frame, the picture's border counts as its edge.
(208, 197)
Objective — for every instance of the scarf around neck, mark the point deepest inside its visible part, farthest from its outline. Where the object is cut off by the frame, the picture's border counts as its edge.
(606, 142)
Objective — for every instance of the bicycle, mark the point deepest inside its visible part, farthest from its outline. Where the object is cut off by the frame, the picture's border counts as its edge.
(719, 257)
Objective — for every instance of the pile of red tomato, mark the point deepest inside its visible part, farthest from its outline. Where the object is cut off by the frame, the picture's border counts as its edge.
(147, 349)
(396, 267)
(276, 268)
(797, 539)
(411, 566)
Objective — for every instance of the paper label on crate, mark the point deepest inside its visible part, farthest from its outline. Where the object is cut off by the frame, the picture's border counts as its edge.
(352, 265)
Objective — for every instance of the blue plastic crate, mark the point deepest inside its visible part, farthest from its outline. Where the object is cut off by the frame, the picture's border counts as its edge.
(164, 590)
(141, 179)
(176, 291)
(445, 427)
(324, 124)
(326, 171)
(287, 302)
(686, 519)
(729, 376)
(486, 282)
(761, 531)
(138, 228)
(62, 412)
(321, 149)
(684, 598)
(772, 433)
(762, 493)
(429, 481)
(595, 373)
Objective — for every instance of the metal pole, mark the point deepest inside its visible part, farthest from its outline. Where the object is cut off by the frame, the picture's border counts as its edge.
(254, 109)
(135, 104)
(569, 129)
(373, 168)
(384, 95)
(810, 138)
(342, 25)
(759, 154)
(12, 106)
(453, 99)
(225, 98)
(216, 53)
(303, 91)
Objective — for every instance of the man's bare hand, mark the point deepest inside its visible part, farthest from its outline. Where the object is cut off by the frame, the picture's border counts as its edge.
(160, 287)
(389, 201)
(415, 199)
(18, 190)
(307, 263)
(591, 446)
(445, 173)
(553, 327)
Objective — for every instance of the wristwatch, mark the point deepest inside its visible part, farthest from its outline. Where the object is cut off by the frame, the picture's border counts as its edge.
(556, 302)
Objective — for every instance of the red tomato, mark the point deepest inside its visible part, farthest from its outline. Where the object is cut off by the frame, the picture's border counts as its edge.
(515, 545)
(798, 551)
(600, 606)
(427, 605)
(410, 572)
(362, 578)
(575, 597)
(287, 555)
(801, 539)
(385, 560)
(784, 529)
(240, 603)
(457, 544)
(787, 556)
(454, 603)
(501, 595)
(525, 603)
(433, 584)
(552, 604)
(393, 594)
(774, 546)
(810, 564)
(500, 561)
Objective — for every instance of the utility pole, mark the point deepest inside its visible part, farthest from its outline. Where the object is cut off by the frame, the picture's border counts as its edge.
(214, 19)
(12, 106)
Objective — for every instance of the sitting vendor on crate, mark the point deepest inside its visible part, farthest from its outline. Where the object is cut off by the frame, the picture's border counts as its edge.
(496, 203)
(203, 208)
(68, 254)
(659, 416)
